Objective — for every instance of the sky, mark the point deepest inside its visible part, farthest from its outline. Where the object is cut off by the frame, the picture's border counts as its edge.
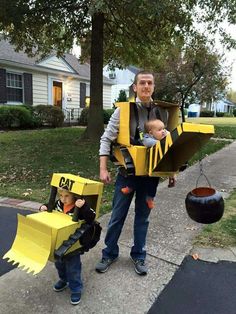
(230, 55)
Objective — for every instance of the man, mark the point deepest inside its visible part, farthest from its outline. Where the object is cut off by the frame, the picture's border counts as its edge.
(143, 87)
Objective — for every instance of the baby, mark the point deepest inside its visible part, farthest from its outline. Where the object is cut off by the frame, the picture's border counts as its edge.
(154, 131)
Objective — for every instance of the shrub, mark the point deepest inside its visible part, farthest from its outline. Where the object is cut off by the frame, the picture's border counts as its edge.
(15, 116)
(48, 115)
(207, 113)
(83, 119)
(107, 114)
(219, 114)
(228, 115)
(234, 112)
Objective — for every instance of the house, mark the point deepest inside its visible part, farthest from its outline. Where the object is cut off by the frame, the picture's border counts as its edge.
(56, 81)
(122, 80)
(223, 105)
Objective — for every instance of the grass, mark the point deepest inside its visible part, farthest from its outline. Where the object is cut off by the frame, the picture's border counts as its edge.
(222, 121)
(30, 157)
(222, 233)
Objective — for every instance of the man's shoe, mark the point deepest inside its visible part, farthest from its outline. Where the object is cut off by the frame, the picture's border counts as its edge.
(60, 286)
(75, 298)
(104, 264)
(140, 266)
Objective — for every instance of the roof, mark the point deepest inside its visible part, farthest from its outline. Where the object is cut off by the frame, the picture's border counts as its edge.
(8, 53)
(133, 69)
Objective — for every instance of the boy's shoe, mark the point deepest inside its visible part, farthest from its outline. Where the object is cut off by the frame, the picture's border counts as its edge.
(104, 264)
(140, 266)
(75, 298)
(60, 286)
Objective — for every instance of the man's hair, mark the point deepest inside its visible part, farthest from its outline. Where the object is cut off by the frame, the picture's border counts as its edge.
(148, 125)
(142, 72)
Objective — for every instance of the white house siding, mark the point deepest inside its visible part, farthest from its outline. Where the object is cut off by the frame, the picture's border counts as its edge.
(40, 89)
(56, 63)
(107, 102)
(72, 91)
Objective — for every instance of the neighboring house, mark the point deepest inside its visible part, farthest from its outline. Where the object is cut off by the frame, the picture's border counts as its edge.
(222, 105)
(56, 81)
(122, 80)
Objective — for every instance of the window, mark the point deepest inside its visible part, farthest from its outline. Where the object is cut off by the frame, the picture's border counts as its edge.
(14, 87)
(112, 75)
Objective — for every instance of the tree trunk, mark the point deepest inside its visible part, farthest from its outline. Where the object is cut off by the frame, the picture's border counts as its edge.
(95, 120)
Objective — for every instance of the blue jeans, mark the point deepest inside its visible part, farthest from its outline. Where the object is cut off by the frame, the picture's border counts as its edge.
(120, 207)
(69, 270)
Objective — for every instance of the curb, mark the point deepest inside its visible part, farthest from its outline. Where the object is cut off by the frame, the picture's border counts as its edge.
(23, 204)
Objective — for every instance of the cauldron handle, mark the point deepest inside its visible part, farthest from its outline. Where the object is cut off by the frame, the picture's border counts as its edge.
(202, 174)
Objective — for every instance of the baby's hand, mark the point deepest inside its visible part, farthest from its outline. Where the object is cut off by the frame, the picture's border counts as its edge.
(79, 203)
(43, 208)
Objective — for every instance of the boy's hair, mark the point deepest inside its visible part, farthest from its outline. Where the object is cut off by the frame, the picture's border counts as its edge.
(148, 125)
(65, 188)
(141, 72)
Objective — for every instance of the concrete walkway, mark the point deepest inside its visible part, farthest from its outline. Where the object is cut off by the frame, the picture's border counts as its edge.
(121, 290)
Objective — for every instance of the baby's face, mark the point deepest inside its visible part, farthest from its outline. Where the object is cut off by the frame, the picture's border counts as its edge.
(66, 197)
(158, 131)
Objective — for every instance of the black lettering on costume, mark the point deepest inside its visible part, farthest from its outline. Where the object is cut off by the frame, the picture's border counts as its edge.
(66, 183)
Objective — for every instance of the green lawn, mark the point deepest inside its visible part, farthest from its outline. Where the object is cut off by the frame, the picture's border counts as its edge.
(30, 157)
(223, 121)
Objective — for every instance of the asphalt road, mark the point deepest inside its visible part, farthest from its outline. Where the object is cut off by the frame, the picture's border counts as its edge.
(8, 226)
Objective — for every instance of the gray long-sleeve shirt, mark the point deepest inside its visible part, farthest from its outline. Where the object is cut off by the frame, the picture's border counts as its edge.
(111, 132)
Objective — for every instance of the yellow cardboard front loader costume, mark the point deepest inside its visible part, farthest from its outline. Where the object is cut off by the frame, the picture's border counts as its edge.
(42, 234)
(169, 154)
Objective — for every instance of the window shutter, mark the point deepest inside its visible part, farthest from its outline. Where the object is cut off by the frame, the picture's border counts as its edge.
(3, 87)
(82, 94)
(28, 89)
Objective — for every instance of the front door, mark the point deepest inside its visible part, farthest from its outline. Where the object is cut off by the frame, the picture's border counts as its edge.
(57, 94)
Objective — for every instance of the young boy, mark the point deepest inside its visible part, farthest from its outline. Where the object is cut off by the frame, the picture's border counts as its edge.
(69, 268)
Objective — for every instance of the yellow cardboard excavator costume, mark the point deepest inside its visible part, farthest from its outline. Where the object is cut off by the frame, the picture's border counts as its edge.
(45, 235)
(169, 154)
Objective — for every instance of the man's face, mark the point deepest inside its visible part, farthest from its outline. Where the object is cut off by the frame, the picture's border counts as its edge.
(144, 87)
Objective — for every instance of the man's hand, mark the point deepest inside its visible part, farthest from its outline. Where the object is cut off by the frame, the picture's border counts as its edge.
(105, 176)
(79, 203)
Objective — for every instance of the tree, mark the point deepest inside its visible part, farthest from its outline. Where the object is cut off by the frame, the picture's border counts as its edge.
(130, 31)
(122, 96)
(192, 73)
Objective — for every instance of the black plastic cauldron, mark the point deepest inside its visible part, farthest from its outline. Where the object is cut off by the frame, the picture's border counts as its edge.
(204, 205)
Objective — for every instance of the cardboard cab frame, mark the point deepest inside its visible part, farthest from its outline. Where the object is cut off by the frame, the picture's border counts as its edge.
(169, 154)
(40, 234)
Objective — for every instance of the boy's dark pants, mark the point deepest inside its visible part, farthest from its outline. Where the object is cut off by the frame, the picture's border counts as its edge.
(69, 270)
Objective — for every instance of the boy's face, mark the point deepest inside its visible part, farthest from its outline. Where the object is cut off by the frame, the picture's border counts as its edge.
(144, 87)
(158, 131)
(66, 197)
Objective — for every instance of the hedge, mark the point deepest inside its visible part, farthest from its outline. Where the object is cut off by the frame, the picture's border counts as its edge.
(83, 119)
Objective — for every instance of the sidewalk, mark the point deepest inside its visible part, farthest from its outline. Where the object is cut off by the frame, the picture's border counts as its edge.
(121, 290)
